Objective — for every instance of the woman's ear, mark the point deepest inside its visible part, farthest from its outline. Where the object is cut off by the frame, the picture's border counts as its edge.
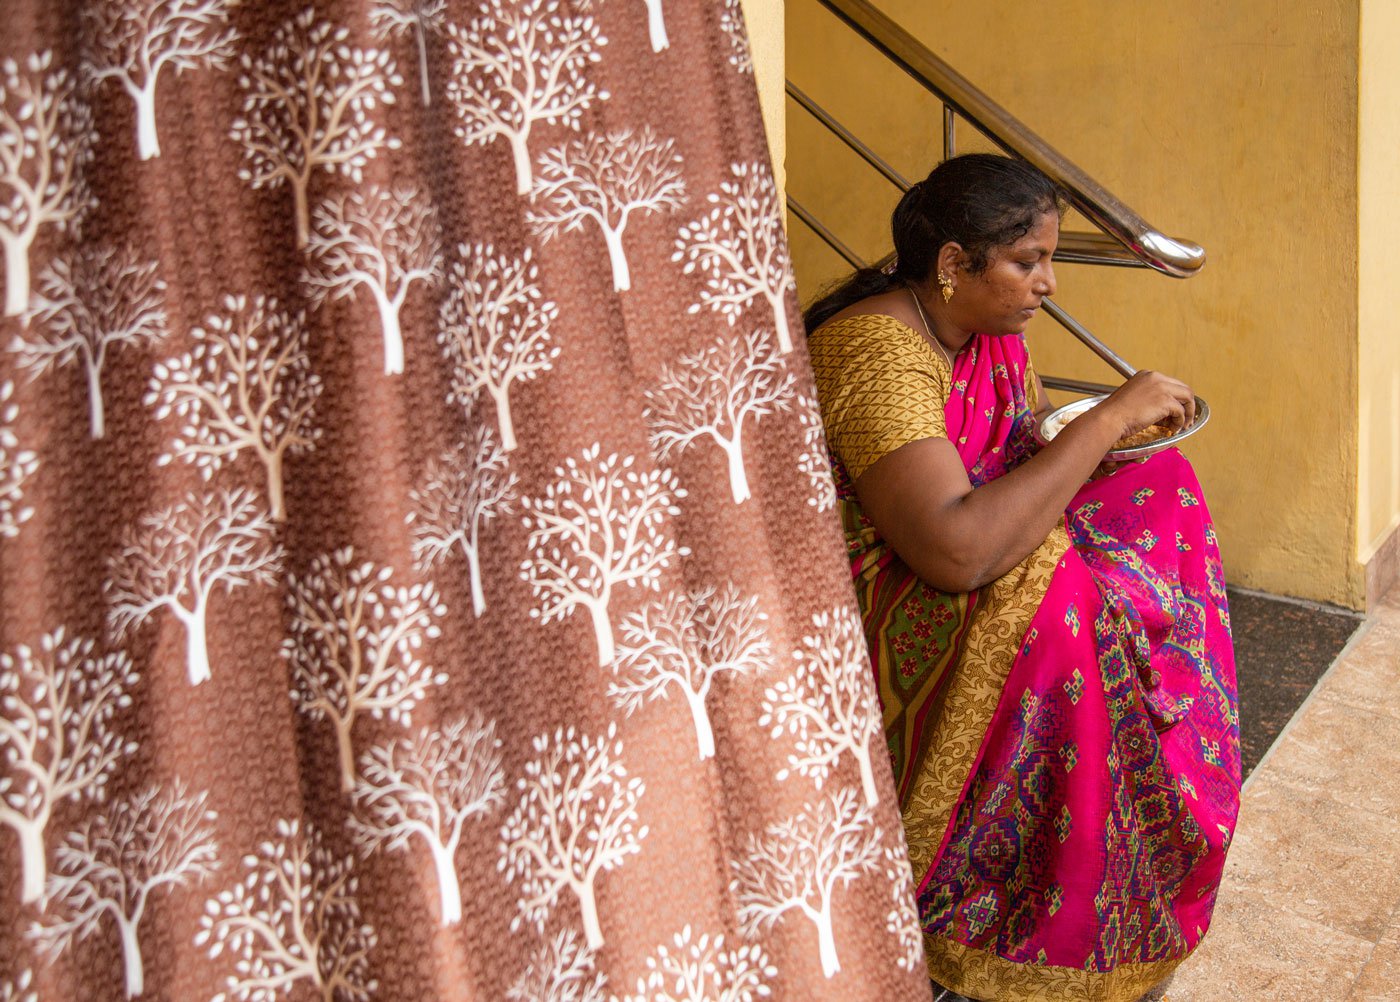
(950, 258)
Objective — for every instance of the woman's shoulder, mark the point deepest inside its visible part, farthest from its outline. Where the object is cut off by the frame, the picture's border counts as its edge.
(889, 312)
(874, 327)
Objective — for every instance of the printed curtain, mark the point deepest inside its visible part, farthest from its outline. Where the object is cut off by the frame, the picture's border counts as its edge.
(420, 575)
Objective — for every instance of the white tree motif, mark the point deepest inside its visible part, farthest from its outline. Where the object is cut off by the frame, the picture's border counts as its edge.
(829, 702)
(814, 460)
(354, 646)
(684, 641)
(246, 384)
(731, 20)
(604, 178)
(309, 100)
(494, 329)
(711, 393)
(656, 22)
(57, 742)
(656, 26)
(597, 527)
(382, 240)
(798, 863)
(702, 970)
(560, 970)
(19, 990)
(462, 490)
(176, 557)
(902, 920)
(114, 861)
(46, 144)
(577, 818)
(430, 785)
(132, 41)
(97, 301)
(420, 17)
(740, 248)
(518, 63)
(16, 466)
(293, 917)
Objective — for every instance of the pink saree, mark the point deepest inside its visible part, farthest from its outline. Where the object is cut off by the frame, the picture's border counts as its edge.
(1065, 740)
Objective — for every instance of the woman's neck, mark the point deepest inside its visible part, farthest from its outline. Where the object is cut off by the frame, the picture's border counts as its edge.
(941, 327)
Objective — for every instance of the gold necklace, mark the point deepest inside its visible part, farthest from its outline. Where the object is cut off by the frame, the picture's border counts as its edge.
(929, 327)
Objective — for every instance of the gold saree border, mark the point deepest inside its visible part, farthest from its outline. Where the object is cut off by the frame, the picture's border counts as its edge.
(983, 975)
(971, 693)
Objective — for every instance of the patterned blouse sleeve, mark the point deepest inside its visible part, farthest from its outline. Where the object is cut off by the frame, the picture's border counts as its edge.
(880, 387)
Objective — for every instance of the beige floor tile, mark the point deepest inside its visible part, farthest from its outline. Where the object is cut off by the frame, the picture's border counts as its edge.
(1344, 752)
(1302, 852)
(1256, 953)
(1379, 980)
(1369, 675)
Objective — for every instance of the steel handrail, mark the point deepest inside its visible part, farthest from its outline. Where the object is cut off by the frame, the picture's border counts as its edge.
(1169, 255)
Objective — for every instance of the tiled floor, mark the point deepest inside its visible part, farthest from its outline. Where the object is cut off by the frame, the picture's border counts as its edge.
(1310, 906)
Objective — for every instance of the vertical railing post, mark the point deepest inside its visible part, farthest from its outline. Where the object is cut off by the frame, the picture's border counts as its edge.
(950, 145)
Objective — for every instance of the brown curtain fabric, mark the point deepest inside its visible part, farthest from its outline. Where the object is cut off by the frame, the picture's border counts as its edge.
(418, 565)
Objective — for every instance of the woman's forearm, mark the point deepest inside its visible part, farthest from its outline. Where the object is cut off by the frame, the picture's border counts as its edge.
(994, 527)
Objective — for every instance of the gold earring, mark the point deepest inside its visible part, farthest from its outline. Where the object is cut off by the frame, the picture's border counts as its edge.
(946, 285)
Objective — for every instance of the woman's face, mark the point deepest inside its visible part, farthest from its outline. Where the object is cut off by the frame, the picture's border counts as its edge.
(1002, 298)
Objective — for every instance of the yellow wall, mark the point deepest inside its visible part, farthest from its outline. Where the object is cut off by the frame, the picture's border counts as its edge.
(764, 19)
(1378, 513)
(1230, 124)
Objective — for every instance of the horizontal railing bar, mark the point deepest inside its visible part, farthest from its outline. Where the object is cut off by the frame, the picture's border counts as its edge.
(831, 239)
(846, 136)
(1095, 248)
(1179, 258)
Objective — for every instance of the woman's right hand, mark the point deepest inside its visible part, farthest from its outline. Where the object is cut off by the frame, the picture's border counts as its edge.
(1146, 399)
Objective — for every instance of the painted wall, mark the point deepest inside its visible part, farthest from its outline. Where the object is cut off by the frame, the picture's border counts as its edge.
(1230, 124)
(764, 19)
(1378, 459)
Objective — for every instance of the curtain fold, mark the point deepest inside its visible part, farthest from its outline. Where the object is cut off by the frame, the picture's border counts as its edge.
(419, 570)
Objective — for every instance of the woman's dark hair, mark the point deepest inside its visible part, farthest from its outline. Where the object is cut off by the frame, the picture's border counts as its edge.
(979, 201)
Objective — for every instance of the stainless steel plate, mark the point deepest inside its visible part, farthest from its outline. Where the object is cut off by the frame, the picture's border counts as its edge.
(1050, 426)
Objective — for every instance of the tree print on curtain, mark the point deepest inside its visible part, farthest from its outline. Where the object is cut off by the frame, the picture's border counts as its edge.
(415, 18)
(701, 968)
(463, 490)
(309, 105)
(415, 522)
(430, 785)
(60, 702)
(110, 866)
(601, 525)
(561, 969)
(382, 240)
(100, 301)
(710, 395)
(178, 557)
(133, 41)
(246, 384)
(603, 180)
(494, 329)
(799, 863)
(17, 465)
(738, 246)
(683, 643)
(354, 646)
(46, 144)
(518, 63)
(576, 818)
(293, 917)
